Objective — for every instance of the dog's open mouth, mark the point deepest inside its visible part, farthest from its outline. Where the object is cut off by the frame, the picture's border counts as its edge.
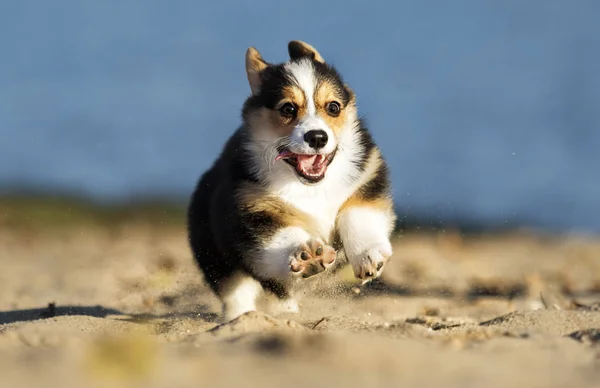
(310, 167)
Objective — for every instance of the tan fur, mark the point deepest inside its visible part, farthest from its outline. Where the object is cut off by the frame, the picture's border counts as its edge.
(356, 200)
(255, 64)
(383, 203)
(258, 200)
(295, 95)
(240, 220)
(307, 48)
(282, 125)
(326, 93)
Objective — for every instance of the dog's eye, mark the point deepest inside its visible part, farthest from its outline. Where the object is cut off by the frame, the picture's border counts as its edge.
(288, 110)
(333, 109)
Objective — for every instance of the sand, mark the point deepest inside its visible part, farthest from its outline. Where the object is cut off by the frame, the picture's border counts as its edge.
(85, 303)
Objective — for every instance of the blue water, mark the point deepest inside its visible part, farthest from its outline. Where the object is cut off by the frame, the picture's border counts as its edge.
(486, 110)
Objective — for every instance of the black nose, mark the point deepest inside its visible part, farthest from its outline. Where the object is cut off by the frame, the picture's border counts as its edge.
(317, 138)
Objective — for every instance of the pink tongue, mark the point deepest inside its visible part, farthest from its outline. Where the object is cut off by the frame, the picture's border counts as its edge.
(311, 164)
(314, 160)
(283, 155)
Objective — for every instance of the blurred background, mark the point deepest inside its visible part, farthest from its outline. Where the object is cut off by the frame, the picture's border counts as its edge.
(486, 111)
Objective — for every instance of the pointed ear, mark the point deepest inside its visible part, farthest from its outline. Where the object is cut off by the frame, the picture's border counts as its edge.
(298, 49)
(255, 64)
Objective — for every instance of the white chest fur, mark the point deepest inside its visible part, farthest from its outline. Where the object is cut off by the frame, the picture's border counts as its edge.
(321, 201)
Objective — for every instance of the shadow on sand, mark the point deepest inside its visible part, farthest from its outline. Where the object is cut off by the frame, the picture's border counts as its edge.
(52, 311)
(7, 317)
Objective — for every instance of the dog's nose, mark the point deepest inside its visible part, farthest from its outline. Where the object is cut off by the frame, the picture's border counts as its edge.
(316, 138)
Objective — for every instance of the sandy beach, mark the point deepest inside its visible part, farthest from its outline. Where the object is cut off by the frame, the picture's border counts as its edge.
(93, 299)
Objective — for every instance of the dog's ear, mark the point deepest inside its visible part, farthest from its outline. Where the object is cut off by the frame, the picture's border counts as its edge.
(255, 65)
(298, 49)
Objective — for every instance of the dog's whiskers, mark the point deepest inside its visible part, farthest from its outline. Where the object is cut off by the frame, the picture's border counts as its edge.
(272, 149)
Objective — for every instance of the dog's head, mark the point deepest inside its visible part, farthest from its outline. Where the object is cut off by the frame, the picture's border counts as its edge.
(298, 111)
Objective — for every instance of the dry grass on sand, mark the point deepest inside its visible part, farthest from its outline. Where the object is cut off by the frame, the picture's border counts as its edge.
(98, 299)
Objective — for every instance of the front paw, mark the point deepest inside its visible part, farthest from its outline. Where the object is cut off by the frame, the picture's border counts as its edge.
(312, 258)
(369, 264)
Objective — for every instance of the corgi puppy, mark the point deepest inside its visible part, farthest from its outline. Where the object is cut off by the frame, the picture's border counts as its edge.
(299, 189)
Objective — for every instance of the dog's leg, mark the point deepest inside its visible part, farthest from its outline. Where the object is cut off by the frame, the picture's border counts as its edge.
(285, 302)
(238, 294)
(290, 254)
(365, 229)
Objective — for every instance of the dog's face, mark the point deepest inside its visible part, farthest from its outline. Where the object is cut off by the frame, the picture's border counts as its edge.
(298, 110)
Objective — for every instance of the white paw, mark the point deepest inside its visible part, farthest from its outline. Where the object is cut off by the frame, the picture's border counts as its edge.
(369, 264)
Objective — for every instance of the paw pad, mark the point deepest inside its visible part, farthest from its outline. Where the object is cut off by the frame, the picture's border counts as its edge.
(312, 258)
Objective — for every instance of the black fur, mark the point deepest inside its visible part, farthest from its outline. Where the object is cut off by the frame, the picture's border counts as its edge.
(274, 79)
(378, 186)
(222, 229)
(328, 73)
(366, 141)
(298, 51)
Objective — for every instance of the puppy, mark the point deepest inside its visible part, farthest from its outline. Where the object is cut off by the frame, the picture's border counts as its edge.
(298, 189)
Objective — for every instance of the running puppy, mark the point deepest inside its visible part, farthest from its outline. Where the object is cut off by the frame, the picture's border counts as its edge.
(298, 189)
